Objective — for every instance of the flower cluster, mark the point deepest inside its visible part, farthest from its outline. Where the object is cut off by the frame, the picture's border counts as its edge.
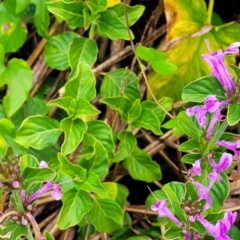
(207, 116)
(211, 105)
(219, 70)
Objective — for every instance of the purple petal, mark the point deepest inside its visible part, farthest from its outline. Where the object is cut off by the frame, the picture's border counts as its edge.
(57, 192)
(211, 103)
(196, 168)
(219, 70)
(43, 164)
(192, 111)
(201, 117)
(16, 184)
(24, 221)
(163, 211)
(45, 187)
(224, 163)
(187, 235)
(233, 48)
(203, 194)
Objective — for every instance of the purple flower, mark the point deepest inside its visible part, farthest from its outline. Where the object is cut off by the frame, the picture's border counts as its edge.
(219, 70)
(211, 105)
(235, 147)
(219, 231)
(163, 211)
(203, 194)
(56, 194)
(196, 168)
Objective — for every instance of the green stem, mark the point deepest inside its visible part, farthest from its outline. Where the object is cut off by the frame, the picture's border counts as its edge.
(209, 11)
(92, 31)
(216, 137)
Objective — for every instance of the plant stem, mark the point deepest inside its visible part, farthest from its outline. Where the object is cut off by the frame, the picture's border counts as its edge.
(215, 138)
(92, 31)
(209, 11)
(140, 63)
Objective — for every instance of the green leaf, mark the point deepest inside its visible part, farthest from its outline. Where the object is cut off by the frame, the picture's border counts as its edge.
(198, 90)
(188, 125)
(12, 230)
(2, 60)
(190, 44)
(174, 232)
(7, 135)
(233, 114)
(156, 59)
(100, 132)
(74, 171)
(165, 102)
(234, 232)
(85, 108)
(36, 106)
(127, 144)
(173, 125)
(97, 5)
(75, 205)
(95, 159)
(120, 104)
(120, 82)
(147, 120)
(219, 193)
(82, 85)
(28, 160)
(236, 72)
(135, 111)
(71, 12)
(17, 73)
(48, 236)
(175, 192)
(106, 215)
(41, 18)
(133, 13)
(122, 194)
(82, 50)
(138, 238)
(89, 18)
(56, 51)
(141, 166)
(15, 6)
(111, 26)
(32, 175)
(191, 158)
(11, 28)
(189, 145)
(68, 104)
(92, 184)
(38, 132)
(73, 134)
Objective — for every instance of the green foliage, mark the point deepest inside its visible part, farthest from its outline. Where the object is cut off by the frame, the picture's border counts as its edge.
(16, 69)
(56, 50)
(156, 60)
(38, 132)
(82, 146)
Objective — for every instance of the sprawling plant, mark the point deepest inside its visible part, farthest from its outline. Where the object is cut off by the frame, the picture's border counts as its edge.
(69, 159)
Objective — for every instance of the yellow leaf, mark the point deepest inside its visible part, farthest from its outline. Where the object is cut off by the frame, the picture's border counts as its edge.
(111, 3)
(187, 30)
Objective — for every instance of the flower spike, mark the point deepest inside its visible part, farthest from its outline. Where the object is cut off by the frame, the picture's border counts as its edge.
(219, 70)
